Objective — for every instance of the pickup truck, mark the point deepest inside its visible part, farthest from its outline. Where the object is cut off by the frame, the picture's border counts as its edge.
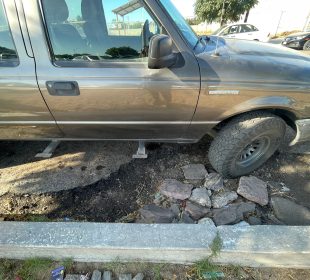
(136, 71)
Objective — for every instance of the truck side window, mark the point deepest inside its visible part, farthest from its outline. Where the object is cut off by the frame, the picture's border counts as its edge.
(98, 30)
(8, 54)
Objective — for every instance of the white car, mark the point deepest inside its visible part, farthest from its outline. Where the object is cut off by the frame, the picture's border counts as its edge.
(242, 31)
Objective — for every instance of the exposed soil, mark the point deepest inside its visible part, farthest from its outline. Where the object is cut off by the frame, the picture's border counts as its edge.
(41, 270)
(118, 197)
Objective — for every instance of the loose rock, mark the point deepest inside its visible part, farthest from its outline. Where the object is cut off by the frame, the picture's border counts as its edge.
(175, 209)
(201, 197)
(253, 189)
(214, 182)
(196, 211)
(96, 275)
(232, 213)
(176, 190)
(254, 221)
(206, 221)
(222, 199)
(139, 276)
(225, 216)
(290, 212)
(186, 219)
(155, 214)
(194, 172)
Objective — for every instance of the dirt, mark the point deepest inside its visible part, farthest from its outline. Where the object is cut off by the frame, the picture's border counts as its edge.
(118, 197)
(41, 270)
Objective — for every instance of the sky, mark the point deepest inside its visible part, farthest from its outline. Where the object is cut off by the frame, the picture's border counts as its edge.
(186, 7)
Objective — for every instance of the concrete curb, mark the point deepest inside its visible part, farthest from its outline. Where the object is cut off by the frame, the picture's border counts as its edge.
(271, 246)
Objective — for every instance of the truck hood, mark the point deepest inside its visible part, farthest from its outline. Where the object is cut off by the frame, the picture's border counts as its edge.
(249, 61)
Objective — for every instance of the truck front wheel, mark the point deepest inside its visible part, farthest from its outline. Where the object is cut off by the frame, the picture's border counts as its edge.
(245, 143)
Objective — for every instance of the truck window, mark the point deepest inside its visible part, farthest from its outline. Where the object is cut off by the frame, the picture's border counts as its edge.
(8, 54)
(99, 30)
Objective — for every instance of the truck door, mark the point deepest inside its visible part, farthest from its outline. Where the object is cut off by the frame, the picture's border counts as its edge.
(92, 69)
(23, 112)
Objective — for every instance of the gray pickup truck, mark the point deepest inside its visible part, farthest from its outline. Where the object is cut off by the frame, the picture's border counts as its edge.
(135, 70)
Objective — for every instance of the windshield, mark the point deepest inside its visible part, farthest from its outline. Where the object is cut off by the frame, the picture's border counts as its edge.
(184, 27)
(219, 30)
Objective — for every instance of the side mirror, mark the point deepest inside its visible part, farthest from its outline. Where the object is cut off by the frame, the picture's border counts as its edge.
(161, 52)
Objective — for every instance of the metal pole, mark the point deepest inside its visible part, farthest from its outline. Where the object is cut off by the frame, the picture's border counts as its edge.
(282, 12)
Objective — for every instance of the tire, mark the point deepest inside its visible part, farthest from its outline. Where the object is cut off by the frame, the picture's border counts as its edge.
(245, 143)
(306, 46)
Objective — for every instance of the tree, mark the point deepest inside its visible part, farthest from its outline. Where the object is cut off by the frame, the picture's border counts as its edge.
(222, 10)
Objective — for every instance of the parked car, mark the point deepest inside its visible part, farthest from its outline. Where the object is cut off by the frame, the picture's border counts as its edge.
(299, 41)
(242, 31)
(159, 85)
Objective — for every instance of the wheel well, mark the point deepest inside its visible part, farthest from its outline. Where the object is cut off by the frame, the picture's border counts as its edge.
(287, 116)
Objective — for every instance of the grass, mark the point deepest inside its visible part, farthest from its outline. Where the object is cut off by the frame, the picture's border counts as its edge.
(33, 268)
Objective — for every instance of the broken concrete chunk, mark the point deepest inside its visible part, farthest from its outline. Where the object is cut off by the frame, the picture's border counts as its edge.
(157, 215)
(290, 212)
(176, 190)
(125, 277)
(253, 189)
(194, 172)
(222, 199)
(196, 211)
(139, 276)
(96, 275)
(201, 197)
(214, 182)
(107, 275)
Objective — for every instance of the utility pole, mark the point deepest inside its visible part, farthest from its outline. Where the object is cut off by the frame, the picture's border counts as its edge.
(282, 12)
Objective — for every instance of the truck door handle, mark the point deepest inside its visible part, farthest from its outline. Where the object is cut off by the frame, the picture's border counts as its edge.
(63, 88)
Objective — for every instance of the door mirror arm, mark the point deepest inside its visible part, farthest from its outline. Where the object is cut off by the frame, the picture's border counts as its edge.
(161, 53)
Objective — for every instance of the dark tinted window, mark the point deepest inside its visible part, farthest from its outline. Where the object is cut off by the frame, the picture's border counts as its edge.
(8, 54)
(246, 28)
(99, 30)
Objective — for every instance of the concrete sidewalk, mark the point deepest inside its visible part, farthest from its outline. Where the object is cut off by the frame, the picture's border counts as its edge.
(270, 246)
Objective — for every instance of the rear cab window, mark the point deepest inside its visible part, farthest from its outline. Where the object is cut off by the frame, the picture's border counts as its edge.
(8, 53)
(95, 31)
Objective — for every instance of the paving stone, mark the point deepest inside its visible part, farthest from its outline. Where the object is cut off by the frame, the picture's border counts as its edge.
(253, 189)
(125, 277)
(206, 221)
(176, 190)
(214, 182)
(201, 197)
(196, 211)
(220, 200)
(96, 275)
(290, 212)
(194, 171)
(186, 219)
(155, 214)
(254, 221)
(107, 275)
(139, 276)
